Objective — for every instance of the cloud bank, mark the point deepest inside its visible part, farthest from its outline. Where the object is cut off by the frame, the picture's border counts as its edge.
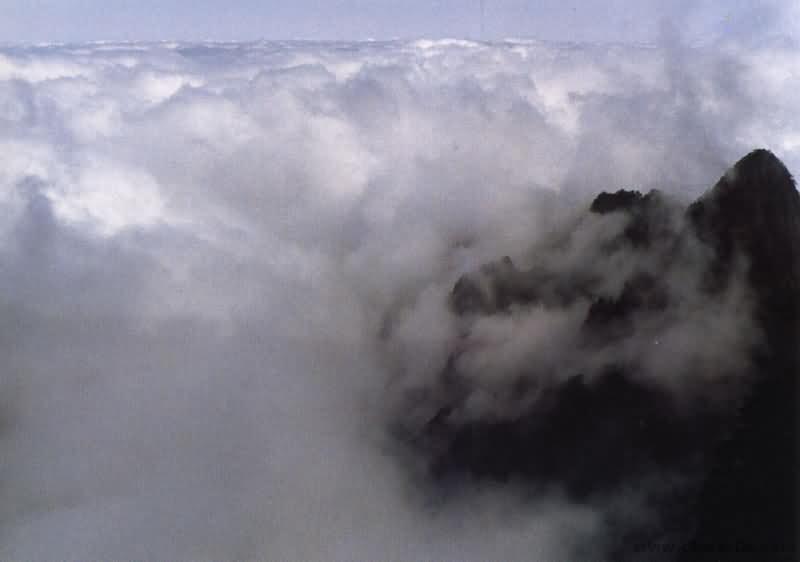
(204, 246)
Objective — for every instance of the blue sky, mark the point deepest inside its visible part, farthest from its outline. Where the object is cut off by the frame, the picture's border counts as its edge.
(576, 20)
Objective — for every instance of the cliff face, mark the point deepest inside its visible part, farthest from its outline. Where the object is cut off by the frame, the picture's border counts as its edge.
(682, 362)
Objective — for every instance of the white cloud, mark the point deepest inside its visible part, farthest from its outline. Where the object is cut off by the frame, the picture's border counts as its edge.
(201, 243)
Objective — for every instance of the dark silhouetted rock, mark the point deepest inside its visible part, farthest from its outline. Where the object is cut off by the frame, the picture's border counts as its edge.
(750, 496)
(597, 431)
(621, 200)
(649, 215)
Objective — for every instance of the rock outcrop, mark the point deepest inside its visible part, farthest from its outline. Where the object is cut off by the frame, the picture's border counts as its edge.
(751, 495)
(718, 286)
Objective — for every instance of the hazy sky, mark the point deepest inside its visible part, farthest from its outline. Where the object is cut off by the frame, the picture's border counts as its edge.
(577, 20)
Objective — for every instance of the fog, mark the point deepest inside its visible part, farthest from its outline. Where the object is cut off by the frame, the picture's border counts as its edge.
(224, 265)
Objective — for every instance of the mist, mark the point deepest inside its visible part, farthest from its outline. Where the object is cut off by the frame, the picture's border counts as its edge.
(227, 266)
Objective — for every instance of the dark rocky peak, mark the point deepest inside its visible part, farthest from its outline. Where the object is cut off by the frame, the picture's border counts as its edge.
(621, 200)
(751, 492)
(754, 209)
(593, 415)
(753, 212)
(650, 215)
(625, 200)
(760, 175)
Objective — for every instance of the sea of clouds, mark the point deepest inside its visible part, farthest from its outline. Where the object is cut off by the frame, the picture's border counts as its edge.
(200, 245)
